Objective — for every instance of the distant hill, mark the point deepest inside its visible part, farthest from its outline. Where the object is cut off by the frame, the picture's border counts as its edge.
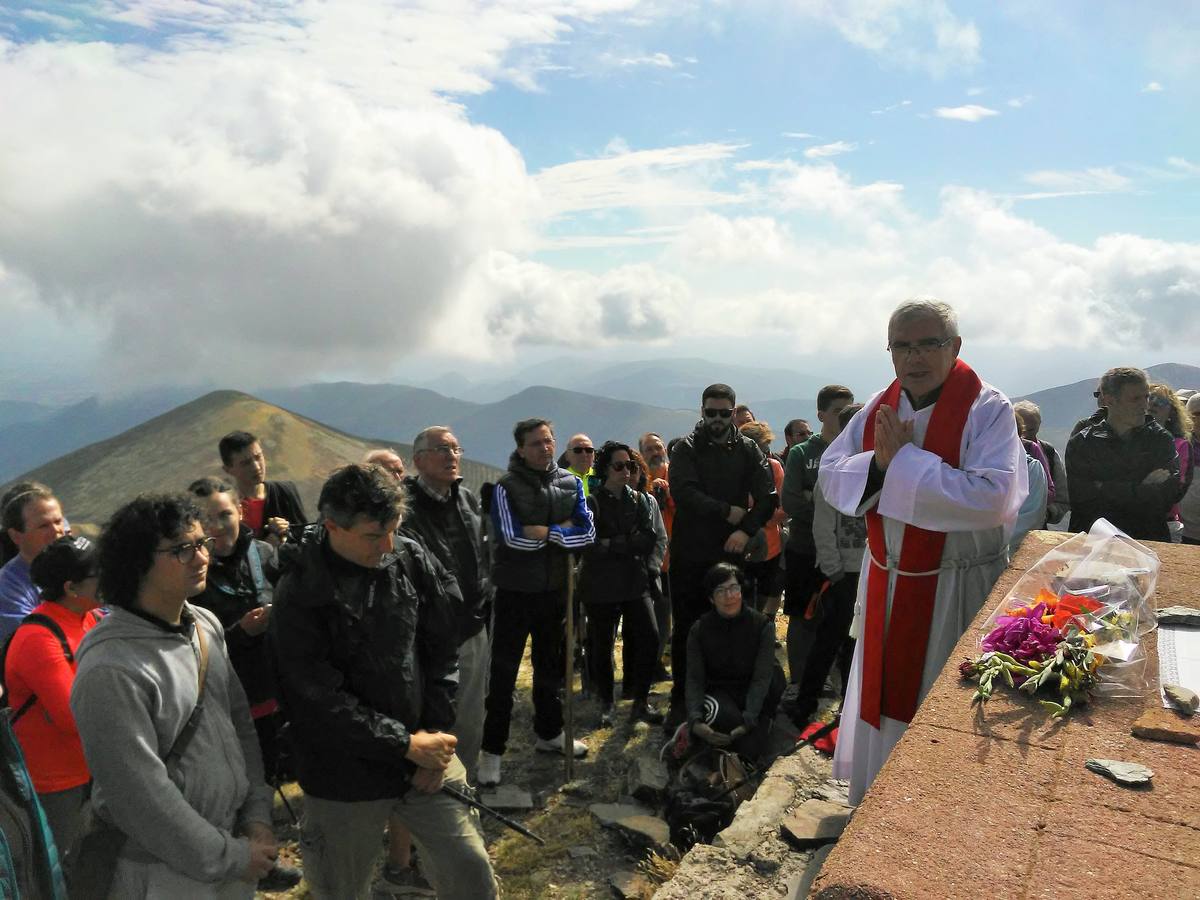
(45, 434)
(170, 450)
(1066, 404)
(394, 411)
(398, 412)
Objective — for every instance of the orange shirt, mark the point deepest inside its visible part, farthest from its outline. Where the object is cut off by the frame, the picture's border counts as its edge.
(47, 734)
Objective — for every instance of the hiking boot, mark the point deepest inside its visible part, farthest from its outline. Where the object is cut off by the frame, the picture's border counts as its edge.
(556, 745)
(281, 878)
(606, 716)
(489, 769)
(404, 881)
(642, 711)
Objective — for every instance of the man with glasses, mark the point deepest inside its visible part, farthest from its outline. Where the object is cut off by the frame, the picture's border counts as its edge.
(935, 465)
(579, 459)
(539, 515)
(445, 516)
(724, 492)
(185, 789)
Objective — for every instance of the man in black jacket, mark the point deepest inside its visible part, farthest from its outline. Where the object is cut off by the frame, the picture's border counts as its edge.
(715, 473)
(270, 508)
(539, 515)
(1122, 465)
(367, 651)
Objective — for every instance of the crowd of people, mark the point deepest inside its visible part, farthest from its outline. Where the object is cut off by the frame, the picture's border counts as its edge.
(215, 643)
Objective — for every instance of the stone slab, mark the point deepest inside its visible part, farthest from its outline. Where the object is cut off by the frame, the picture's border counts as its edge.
(814, 823)
(647, 779)
(650, 832)
(629, 885)
(609, 813)
(758, 817)
(507, 796)
(1158, 724)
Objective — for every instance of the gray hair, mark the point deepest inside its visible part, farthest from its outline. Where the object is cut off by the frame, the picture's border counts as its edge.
(425, 435)
(1193, 403)
(925, 308)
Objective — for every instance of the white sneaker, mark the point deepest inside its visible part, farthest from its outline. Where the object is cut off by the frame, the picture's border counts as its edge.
(489, 769)
(555, 745)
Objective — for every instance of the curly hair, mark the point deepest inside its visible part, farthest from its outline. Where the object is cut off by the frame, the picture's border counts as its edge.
(127, 544)
(643, 470)
(604, 457)
(357, 491)
(1179, 423)
(759, 432)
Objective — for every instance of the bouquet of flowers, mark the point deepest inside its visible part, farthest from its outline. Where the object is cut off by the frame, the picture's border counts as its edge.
(1072, 624)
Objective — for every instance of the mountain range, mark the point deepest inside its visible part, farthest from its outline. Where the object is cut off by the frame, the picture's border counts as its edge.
(658, 395)
(171, 450)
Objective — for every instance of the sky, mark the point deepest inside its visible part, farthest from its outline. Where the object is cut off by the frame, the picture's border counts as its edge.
(242, 193)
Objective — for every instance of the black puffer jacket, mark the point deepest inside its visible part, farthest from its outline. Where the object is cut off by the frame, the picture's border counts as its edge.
(434, 524)
(707, 477)
(525, 496)
(616, 567)
(365, 656)
(237, 584)
(1106, 472)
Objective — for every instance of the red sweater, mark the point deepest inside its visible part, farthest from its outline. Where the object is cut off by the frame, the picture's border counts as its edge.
(47, 733)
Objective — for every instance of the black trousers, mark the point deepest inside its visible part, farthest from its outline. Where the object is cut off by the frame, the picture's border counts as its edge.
(688, 603)
(639, 651)
(540, 617)
(831, 643)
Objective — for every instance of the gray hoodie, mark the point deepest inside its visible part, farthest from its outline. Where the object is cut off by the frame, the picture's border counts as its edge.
(134, 691)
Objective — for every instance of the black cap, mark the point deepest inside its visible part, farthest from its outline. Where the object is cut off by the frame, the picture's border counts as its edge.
(70, 558)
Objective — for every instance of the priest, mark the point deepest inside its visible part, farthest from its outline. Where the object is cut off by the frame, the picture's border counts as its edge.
(935, 465)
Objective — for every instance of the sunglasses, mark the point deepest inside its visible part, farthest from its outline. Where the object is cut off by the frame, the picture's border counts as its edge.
(581, 450)
(713, 413)
(623, 465)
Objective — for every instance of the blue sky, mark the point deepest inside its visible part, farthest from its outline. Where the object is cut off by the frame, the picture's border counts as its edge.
(382, 190)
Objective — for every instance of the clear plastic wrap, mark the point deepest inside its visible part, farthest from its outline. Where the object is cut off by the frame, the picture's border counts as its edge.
(1101, 582)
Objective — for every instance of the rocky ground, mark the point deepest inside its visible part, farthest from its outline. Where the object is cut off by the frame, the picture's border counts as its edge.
(584, 859)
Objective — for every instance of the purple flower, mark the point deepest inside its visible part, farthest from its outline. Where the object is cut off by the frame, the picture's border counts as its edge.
(1023, 638)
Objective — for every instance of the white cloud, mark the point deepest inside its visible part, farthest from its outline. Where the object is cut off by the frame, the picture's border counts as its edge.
(1097, 180)
(662, 177)
(825, 150)
(1183, 165)
(1018, 102)
(300, 180)
(654, 60)
(1152, 87)
(975, 91)
(915, 34)
(972, 112)
(797, 135)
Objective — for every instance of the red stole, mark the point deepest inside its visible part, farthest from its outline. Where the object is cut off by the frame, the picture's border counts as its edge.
(901, 653)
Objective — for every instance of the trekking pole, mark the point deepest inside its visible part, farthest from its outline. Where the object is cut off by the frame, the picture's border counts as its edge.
(569, 682)
(484, 808)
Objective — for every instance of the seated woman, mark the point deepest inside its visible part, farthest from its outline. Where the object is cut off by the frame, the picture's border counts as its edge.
(39, 669)
(614, 584)
(733, 682)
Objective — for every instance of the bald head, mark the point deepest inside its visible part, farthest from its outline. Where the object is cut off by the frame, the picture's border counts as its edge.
(386, 459)
(581, 453)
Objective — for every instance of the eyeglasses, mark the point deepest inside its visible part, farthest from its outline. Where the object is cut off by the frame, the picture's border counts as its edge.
(727, 590)
(924, 347)
(444, 449)
(580, 450)
(622, 465)
(713, 413)
(185, 553)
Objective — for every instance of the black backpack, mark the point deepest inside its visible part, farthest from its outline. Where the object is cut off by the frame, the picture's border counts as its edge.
(55, 629)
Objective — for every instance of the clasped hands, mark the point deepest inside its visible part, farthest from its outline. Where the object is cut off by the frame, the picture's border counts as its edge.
(431, 751)
(890, 435)
(715, 738)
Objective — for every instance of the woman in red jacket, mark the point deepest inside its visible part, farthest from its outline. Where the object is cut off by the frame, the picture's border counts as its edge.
(39, 668)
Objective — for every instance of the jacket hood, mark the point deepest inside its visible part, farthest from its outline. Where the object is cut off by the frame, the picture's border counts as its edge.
(122, 625)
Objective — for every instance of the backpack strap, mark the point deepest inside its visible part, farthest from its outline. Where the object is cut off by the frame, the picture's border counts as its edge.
(54, 628)
(179, 747)
(256, 567)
